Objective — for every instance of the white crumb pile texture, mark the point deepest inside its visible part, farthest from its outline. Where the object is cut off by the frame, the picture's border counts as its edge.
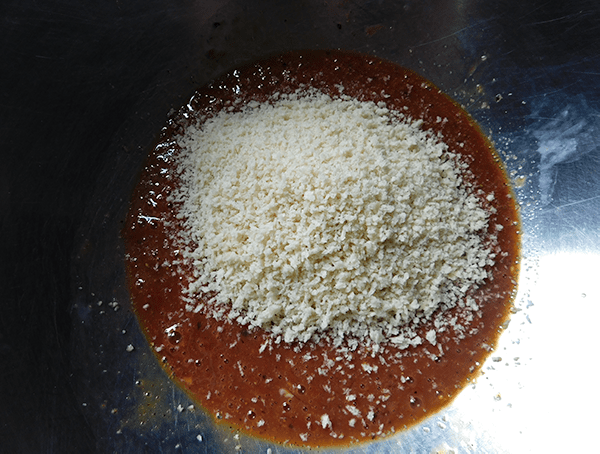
(312, 217)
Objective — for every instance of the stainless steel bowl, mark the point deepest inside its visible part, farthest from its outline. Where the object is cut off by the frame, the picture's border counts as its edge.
(528, 72)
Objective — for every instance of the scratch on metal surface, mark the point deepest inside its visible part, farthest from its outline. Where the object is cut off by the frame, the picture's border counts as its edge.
(448, 36)
(535, 9)
(556, 19)
(572, 203)
(587, 73)
(548, 93)
(580, 233)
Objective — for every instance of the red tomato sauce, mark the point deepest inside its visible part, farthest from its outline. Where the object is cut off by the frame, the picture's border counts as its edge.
(281, 393)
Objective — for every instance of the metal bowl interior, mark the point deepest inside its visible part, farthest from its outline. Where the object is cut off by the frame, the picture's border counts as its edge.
(527, 73)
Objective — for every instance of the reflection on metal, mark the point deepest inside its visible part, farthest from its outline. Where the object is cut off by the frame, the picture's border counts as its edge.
(536, 387)
(565, 133)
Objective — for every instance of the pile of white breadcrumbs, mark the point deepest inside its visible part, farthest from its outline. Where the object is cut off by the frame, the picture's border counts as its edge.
(315, 217)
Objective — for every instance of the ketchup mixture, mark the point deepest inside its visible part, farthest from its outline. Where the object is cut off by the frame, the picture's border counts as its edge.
(312, 395)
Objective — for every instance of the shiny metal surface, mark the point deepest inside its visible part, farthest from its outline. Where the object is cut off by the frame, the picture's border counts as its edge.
(528, 72)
